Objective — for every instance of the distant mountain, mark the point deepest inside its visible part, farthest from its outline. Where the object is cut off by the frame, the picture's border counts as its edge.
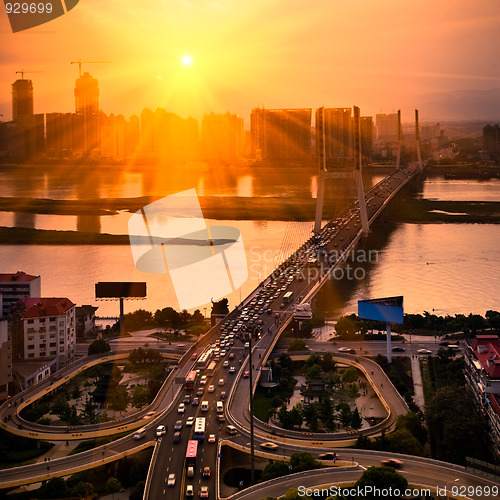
(460, 105)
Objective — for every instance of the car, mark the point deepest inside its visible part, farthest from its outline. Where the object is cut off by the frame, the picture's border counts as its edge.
(246, 374)
(203, 380)
(177, 437)
(190, 421)
(150, 414)
(189, 490)
(346, 350)
(161, 431)
(190, 472)
(204, 492)
(205, 472)
(187, 399)
(231, 356)
(211, 388)
(223, 395)
(232, 369)
(231, 430)
(195, 401)
(223, 352)
(171, 480)
(211, 438)
(178, 425)
(328, 456)
(200, 392)
(194, 356)
(225, 364)
(182, 408)
(398, 348)
(269, 445)
(393, 462)
(247, 345)
(424, 351)
(276, 315)
(220, 417)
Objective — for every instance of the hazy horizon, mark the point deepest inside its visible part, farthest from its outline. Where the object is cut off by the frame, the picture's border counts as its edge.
(380, 57)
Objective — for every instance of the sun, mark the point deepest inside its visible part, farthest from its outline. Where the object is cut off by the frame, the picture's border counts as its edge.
(187, 60)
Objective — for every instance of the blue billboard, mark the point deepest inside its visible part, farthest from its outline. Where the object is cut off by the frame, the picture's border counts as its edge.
(388, 309)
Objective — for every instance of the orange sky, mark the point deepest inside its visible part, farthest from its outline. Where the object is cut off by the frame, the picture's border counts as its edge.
(378, 54)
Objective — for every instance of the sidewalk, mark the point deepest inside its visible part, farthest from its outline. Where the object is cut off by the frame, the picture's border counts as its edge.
(417, 382)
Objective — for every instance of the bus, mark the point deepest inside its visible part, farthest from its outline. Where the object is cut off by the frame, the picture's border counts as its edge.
(191, 379)
(204, 359)
(211, 368)
(192, 451)
(199, 428)
(287, 297)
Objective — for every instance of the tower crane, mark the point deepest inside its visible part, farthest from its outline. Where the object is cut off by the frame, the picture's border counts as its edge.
(80, 62)
(24, 71)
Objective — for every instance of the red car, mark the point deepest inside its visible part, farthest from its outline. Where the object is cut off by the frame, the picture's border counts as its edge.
(206, 472)
(246, 374)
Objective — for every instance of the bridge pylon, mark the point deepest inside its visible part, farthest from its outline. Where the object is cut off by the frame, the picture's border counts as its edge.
(341, 146)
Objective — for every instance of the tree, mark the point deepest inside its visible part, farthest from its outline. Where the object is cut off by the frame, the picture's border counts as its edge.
(313, 359)
(89, 412)
(99, 346)
(356, 421)
(313, 372)
(119, 399)
(76, 393)
(141, 396)
(350, 375)
(273, 470)
(302, 460)
(297, 345)
(197, 318)
(113, 486)
(413, 423)
(53, 488)
(381, 478)
(345, 414)
(82, 489)
(310, 413)
(328, 363)
(137, 491)
(347, 326)
(326, 414)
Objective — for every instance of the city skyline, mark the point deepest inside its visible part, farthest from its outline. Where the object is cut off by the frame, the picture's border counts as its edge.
(224, 56)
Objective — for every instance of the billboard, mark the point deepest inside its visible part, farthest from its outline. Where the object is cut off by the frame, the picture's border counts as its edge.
(387, 309)
(120, 289)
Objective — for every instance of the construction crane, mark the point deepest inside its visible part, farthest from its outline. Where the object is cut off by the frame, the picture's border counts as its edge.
(80, 62)
(24, 71)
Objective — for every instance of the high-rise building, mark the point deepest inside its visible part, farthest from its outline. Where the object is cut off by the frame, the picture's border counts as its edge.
(221, 137)
(5, 359)
(491, 138)
(44, 328)
(22, 98)
(87, 106)
(112, 137)
(387, 127)
(281, 135)
(338, 136)
(16, 286)
(366, 124)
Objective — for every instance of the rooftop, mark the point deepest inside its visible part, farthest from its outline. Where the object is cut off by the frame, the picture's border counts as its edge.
(20, 276)
(487, 350)
(39, 307)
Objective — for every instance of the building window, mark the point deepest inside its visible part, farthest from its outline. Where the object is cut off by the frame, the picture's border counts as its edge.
(61, 341)
(31, 330)
(31, 355)
(31, 321)
(61, 349)
(52, 319)
(42, 320)
(52, 328)
(53, 344)
(53, 353)
(31, 347)
(42, 346)
(42, 329)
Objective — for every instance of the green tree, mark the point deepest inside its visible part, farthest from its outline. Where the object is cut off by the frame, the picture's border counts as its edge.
(137, 491)
(113, 486)
(326, 414)
(403, 441)
(53, 488)
(381, 478)
(197, 318)
(302, 460)
(76, 393)
(313, 359)
(82, 489)
(350, 375)
(347, 326)
(89, 412)
(99, 346)
(310, 413)
(356, 421)
(413, 423)
(345, 414)
(313, 372)
(328, 363)
(297, 345)
(141, 396)
(119, 399)
(59, 406)
(273, 470)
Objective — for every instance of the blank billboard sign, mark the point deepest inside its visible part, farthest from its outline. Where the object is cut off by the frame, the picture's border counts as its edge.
(388, 309)
(120, 289)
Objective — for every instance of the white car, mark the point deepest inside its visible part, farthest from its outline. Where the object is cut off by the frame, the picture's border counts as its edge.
(171, 480)
(161, 431)
(211, 388)
(221, 381)
(269, 445)
(182, 408)
(190, 421)
(424, 351)
(211, 438)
